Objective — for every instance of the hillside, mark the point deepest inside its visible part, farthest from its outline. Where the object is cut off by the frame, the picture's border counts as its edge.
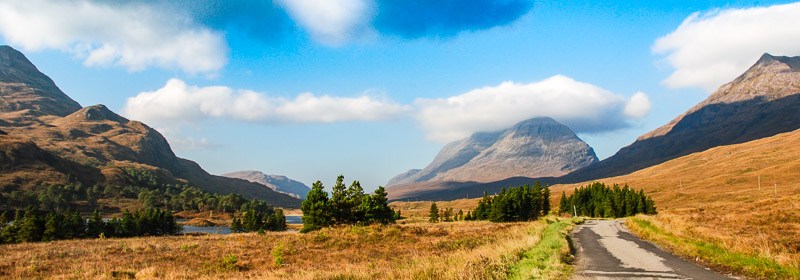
(50, 139)
(760, 103)
(715, 195)
(278, 183)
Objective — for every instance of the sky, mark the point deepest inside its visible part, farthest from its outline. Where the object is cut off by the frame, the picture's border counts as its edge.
(311, 89)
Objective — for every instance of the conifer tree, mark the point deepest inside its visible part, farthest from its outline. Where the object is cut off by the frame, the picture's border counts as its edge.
(433, 214)
(316, 208)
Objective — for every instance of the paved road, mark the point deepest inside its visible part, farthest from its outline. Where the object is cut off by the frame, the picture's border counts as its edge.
(607, 250)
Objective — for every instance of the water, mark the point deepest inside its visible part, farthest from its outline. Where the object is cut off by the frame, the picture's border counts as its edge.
(227, 230)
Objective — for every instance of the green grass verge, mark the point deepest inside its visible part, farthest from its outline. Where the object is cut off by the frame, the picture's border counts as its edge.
(551, 257)
(714, 254)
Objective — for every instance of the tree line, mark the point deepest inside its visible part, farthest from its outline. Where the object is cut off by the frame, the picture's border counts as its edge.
(259, 216)
(346, 205)
(524, 203)
(146, 189)
(33, 227)
(599, 200)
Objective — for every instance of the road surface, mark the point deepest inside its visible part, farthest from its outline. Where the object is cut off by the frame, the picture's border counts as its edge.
(605, 249)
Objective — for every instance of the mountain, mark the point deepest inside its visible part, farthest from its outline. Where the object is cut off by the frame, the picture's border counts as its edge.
(50, 138)
(532, 148)
(23, 87)
(762, 102)
(277, 183)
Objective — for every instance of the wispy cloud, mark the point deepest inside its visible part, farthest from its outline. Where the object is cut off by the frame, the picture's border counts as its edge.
(581, 106)
(134, 36)
(712, 48)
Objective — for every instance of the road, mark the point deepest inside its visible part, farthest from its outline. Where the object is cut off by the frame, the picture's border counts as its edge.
(607, 250)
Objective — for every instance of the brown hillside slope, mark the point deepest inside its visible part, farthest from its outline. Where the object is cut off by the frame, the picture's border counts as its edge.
(714, 195)
(762, 102)
(52, 139)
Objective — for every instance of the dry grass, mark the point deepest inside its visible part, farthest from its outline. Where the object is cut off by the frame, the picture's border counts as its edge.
(714, 196)
(419, 210)
(459, 250)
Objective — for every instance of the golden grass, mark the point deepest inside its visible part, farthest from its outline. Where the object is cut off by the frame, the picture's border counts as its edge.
(714, 196)
(458, 250)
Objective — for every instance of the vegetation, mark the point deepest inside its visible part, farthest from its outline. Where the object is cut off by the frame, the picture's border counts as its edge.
(523, 203)
(149, 193)
(33, 227)
(551, 257)
(258, 216)
(598, 200)
(456, 250)
(712, 253)
(346, 206)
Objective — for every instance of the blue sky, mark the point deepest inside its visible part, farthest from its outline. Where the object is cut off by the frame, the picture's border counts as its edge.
(315, 88)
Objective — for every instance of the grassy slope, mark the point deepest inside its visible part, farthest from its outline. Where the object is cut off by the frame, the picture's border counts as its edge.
(713, 196)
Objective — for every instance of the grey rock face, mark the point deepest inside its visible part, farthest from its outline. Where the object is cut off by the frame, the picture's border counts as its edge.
(532, 148)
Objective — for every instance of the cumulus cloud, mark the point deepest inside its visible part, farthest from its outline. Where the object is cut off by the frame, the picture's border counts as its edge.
(638, 106)
(134, 36)
(178, 103)
(581, 106)
(712, 48)
(445, 18)
(330, 21)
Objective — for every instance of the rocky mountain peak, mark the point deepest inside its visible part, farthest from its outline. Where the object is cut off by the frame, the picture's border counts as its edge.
(277, 183)
(534, 147)
(98, 112)
(23, 87)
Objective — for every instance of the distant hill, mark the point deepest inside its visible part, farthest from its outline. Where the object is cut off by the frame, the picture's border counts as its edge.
(277, 183)
(49, 138)
(760, 103)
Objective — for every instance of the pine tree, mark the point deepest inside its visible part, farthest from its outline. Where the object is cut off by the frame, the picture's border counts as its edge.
(433, 214)
(546, 197)
(339, 206)
(95, 226)
(32, 227)
(316, 208)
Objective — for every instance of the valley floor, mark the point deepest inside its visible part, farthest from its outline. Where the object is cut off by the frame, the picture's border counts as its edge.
(455, 250)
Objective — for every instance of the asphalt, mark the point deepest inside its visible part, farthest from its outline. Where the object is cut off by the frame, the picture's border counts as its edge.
(605, 249)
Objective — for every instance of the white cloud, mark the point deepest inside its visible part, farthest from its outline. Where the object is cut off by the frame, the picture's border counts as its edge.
(638, 106)
(710, 49)
(132, 36)
(331, 21)
(177, 104)
(581, 106)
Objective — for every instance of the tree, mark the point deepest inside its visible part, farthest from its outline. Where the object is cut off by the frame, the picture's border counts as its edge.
(375, 208)
(316, 208)
(339, 206)
(433, 215)
(32, 227)
(95, 226)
